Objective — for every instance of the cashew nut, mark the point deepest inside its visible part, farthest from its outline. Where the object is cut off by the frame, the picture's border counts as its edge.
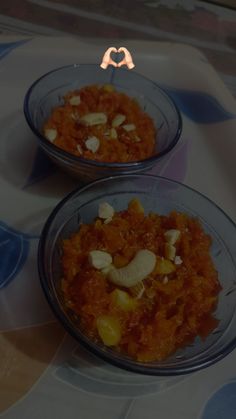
(138, 290)
(107, 269)
(79, 148)
(113, 134)
(99, 259)
(138, 269)
(75, 116)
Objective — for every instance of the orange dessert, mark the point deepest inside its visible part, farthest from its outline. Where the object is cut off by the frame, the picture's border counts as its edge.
(142, 284)
(99, 123)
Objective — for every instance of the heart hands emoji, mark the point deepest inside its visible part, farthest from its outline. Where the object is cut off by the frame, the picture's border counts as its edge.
(107, 60)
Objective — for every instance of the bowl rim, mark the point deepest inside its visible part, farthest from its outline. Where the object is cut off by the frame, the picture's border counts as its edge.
(126, 364)
(81, 160)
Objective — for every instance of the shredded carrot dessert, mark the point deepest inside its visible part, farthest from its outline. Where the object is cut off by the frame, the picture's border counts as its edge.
(100, 123)
(143, 284)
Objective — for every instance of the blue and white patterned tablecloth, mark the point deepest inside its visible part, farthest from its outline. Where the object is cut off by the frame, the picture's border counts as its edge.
(43, 372)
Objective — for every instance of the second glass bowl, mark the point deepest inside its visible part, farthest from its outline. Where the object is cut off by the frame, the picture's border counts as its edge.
(158, 195)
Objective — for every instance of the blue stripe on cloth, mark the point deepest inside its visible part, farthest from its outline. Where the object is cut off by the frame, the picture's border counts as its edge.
(42, 167)
(7, 47)
(222, 405)
(199, 106)
(14, 249)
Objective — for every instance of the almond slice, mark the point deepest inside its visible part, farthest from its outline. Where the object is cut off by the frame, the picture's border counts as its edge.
(106, 270)
(75, 100)
(137, 269)
(92, 144)
(79, 148)
(95, 118)
(50, 134)
(105, 211)
(113, 134)
(118, 120)
(129, 127)
(75, 116)
(172, 236)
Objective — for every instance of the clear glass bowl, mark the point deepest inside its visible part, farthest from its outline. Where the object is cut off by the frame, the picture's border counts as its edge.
(162, 196)
(48, 91)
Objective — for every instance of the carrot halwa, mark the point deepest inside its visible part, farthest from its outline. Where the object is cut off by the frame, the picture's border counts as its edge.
(143, 284)
(100, 123)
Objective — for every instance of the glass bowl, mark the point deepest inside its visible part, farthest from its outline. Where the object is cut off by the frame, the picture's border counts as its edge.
(48, 91)
(157, 195)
